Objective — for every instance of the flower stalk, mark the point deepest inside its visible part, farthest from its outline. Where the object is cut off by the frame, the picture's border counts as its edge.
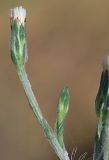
(19, 58)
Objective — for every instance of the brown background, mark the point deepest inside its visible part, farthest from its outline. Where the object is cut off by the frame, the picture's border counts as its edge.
(67, 40)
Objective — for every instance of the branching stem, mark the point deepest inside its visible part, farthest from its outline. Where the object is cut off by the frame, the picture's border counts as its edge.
(62, 154)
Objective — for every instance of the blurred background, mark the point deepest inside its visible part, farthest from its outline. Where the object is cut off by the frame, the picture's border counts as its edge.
(67, 41)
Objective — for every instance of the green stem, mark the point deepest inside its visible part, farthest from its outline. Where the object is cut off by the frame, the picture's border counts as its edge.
(63, 155)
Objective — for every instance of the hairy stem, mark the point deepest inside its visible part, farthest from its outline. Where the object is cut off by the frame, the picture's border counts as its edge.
(63, 155)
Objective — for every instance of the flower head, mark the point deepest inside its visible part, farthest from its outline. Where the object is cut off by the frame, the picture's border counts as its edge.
(19, 14)
(18, 36)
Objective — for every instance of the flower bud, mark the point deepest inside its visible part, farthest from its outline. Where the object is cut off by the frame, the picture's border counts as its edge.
(102, 99)
(102, 111)
(62, 111)
(18, 36)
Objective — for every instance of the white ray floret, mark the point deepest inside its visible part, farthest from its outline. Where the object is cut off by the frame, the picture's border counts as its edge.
(18, 13)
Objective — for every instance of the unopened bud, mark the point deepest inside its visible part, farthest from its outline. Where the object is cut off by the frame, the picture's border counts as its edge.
(18, 36)
(62, 110)
(102, 111)
(102, 99)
